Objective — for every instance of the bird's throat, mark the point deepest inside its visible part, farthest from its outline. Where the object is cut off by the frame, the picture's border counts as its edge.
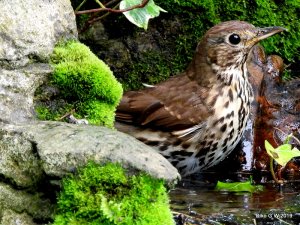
(230, 74)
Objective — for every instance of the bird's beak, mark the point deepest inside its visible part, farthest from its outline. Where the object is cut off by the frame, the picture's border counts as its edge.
(263, 33)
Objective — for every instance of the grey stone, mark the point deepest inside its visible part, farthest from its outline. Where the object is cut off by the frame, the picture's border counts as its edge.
(20, 201)
(10, 217)
(29, 29)
(17, 89)
(63, 147)
(19, 162)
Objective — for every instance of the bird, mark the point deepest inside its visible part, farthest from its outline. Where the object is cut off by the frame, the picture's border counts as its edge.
(196, 118)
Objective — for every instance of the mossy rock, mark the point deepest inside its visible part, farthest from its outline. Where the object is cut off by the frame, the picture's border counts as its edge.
(85, 83)
(106, 195)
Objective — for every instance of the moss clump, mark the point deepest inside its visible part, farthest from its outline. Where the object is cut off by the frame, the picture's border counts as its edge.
(106, 195)
(86, 82)
(98, 110)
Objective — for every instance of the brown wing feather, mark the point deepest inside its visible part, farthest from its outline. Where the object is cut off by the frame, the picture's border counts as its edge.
(177, 103)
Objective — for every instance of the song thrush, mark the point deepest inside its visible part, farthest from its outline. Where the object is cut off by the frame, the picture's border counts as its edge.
(195, 119)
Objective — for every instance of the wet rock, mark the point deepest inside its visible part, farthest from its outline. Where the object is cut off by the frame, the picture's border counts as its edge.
(277, 114)
(256, 64)
(265, 77)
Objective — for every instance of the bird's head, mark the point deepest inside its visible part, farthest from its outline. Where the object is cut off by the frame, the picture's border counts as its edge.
(231, 41)
(225, 47)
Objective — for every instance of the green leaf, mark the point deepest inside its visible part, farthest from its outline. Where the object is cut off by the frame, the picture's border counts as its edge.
(140, 16)
(283, 153)
(238, 187)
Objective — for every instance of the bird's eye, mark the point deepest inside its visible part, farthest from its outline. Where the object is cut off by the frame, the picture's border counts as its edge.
(234, 39)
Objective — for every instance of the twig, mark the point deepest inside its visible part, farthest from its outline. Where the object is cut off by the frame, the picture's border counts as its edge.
(178, 214)
(67, 114)
(94, 19)
(99, 18)
(292, 136)
(142, 5)
(111, 2)
(273, 173)
(81, 4)
(100, 3)
(282, 221)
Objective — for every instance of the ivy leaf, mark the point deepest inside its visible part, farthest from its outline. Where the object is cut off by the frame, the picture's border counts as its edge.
(140, 16)
(283, 153)
(238, 187)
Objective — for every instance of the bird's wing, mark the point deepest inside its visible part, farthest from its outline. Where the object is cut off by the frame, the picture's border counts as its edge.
(175, 105)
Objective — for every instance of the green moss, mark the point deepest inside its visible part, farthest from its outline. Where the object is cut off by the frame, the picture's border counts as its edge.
(99, 113)
(43, 113)
(106, 195)
(84, 81)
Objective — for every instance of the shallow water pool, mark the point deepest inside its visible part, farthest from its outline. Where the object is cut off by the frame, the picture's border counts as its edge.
(196, 202)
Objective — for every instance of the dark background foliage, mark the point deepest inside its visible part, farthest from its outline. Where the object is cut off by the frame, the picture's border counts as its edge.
(168, 45)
